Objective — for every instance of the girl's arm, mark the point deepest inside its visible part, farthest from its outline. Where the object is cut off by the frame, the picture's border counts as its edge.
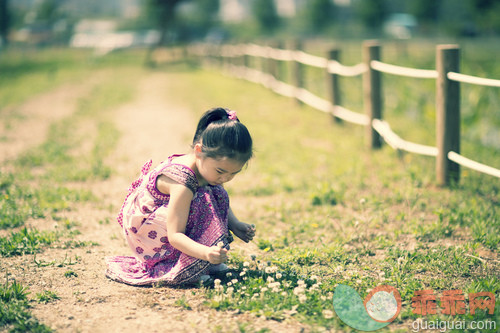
(177, 216)
(242, 230)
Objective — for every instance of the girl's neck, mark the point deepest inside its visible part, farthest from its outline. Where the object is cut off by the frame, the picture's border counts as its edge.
(189, 160)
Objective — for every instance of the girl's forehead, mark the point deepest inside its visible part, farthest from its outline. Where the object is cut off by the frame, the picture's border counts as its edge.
(228, 164)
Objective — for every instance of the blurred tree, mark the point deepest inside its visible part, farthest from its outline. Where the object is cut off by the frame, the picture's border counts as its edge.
(4, 23)
(163, 16)
(266, 15)
(425, 10)
(48, 11)
(320, 14)
(198, 18)
(486, 14)
(371, 12)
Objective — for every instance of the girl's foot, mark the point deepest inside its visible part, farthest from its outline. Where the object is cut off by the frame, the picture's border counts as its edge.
(218, 269)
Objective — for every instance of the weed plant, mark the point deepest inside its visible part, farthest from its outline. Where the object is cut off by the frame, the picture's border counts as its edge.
(14, 310)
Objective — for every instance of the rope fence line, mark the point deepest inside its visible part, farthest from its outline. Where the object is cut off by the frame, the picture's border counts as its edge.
(403, 71)
(473, 79)
(457, 158)
(447, 154)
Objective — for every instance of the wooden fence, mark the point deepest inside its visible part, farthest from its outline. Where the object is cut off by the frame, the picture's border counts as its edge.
(236, 59)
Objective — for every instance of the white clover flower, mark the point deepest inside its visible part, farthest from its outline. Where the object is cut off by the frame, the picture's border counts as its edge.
(234, 281)
(301, 283)
(284, 293)
(229, 290)
(327, 314)
(217, 282)
(270, 279)
(314, 277)
(298, 290)
(244, 288)
(278, 275)
(229, 284)
(242, 273)
(246, 264)
(302, 298)
(229, 274)
(274, 284)
(263, 290)
(268, 270)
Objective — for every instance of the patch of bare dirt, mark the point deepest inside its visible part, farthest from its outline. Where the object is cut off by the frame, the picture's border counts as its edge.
(151, 128)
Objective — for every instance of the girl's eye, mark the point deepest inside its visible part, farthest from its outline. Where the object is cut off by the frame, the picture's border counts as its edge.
(219, 172)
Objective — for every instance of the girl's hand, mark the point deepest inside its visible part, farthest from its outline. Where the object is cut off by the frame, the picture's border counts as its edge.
(216, 255)
(244, 231)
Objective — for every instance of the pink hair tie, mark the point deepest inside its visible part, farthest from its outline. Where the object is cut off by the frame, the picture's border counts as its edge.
(232, 115)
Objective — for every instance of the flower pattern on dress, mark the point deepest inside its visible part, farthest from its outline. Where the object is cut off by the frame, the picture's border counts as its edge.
(152, 234)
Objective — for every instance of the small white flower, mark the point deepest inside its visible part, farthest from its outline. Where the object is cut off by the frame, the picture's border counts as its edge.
(270, 279)
(314, 277)
(242, 273)
(299, 290)
(217, 282)
(301, 282)
(229, 284)
(228, 274)
(302, 298)
(229, 290)
(283, 293)
(327, 314)
(279, 276)
(263, 290)
(234, 281)
(246, 264)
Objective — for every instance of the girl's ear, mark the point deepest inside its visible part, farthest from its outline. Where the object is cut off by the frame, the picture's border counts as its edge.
(197, 150)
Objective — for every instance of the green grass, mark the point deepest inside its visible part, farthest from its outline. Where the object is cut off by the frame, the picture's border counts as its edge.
(324, 205)
(37, 185)
(328, 211)
(14, 310)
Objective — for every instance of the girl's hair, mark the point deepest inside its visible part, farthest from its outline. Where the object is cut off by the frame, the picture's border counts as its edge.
(222, 135)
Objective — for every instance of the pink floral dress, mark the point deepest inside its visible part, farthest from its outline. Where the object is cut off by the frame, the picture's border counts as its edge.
(143, 221)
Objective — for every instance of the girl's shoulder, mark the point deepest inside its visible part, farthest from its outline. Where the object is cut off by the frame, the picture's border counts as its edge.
(176, 169)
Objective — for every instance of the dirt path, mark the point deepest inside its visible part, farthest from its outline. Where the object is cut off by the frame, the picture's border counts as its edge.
(89, 302)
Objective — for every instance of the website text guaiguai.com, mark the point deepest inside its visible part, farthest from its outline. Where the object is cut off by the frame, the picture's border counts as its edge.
(445, 325)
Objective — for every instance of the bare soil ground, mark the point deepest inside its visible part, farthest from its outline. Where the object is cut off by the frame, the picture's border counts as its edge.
(151, 128)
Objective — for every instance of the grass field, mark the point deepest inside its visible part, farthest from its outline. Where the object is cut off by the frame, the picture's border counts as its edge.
(327, 210)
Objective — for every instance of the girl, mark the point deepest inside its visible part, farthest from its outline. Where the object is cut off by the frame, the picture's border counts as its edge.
(176, 218)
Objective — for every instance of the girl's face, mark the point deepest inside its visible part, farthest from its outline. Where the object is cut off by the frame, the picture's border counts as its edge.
(217, 171)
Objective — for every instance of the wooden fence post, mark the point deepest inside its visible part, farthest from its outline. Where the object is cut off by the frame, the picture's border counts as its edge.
(332, 82)
(372, 92)
(297, 70)
(447, 114)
